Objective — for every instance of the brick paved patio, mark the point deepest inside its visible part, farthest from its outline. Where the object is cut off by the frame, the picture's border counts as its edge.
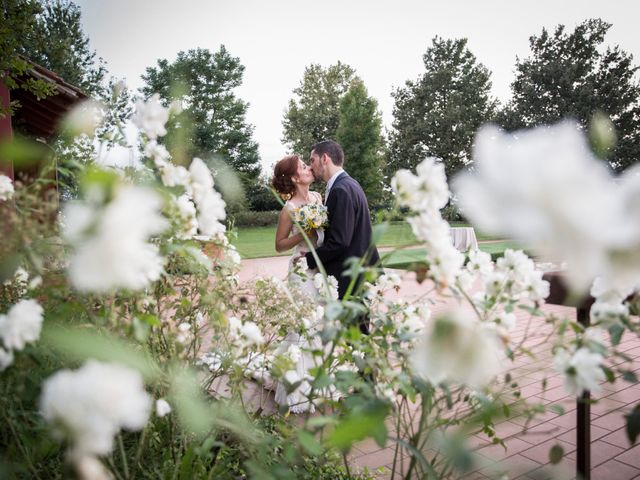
(527, 453)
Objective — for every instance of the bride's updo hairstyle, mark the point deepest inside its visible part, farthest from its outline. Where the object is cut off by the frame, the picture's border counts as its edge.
(283, 173)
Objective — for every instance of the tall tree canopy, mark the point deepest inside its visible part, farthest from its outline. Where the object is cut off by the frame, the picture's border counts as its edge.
(438, 114)
(59, 43)
(359, 133)
(313, 115)
(570, 74)
(212, 121)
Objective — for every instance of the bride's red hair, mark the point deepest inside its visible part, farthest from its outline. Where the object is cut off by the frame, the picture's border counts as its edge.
(283, 174)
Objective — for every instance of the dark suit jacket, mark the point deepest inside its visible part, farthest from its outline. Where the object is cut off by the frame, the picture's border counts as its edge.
(349, 231)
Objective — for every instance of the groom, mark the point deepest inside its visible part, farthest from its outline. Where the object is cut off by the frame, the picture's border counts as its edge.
(349, 232)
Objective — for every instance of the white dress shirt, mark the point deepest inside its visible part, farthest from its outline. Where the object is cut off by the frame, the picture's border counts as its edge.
(330, 183)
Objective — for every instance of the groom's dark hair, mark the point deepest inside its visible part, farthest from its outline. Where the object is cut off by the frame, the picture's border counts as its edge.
(332, 149)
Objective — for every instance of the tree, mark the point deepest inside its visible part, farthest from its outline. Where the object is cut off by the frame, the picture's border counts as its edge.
(58, 43)
(313, 115)
(359, 134)
(17, 23)
(571, 75)
(438, 114)
(212, 122)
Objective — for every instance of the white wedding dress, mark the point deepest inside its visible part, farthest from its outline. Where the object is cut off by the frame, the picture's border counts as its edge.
(295, 345)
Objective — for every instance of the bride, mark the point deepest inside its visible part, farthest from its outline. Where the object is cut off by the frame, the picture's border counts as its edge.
(291, 179)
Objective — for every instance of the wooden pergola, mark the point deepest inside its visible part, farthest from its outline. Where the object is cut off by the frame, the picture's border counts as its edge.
(38, 118)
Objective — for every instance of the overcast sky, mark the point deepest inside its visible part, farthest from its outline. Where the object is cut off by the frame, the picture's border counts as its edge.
(383, 40)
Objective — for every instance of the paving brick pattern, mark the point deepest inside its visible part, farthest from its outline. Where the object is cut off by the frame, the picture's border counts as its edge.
(527, 450)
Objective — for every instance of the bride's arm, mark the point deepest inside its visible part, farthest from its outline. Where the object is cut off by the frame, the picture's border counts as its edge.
(285, 242)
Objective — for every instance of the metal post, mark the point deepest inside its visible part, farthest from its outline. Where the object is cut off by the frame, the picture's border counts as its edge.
(583, 427)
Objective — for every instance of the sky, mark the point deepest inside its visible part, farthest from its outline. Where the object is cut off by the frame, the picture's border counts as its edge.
(383, 40)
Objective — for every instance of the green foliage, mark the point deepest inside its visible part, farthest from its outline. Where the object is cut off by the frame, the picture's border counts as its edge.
(17, 23)
(248, 218)
(313, 115)
(59, 43)
(571, 74)
(359, 134)
(438, 114)
(212, 121)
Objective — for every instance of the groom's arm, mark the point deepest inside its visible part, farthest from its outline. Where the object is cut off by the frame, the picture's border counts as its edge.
(341, 216)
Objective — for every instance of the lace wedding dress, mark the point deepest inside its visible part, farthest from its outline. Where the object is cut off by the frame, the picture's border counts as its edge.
(295, 345)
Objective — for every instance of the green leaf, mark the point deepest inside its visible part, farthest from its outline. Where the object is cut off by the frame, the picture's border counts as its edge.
(615, 332)
(141, 329)
(611, 377)
(555, 408)
(633, 424)
(629, 376)
(309, 443)
(556, 453)
(84, 344)
(360, 424)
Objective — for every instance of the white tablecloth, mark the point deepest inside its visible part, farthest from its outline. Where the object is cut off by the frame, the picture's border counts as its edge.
(464, 238)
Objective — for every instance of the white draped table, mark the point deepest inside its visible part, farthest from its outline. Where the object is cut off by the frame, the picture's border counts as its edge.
(464, 238)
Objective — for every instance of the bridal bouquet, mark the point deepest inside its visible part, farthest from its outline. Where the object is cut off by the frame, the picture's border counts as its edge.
(312, 216)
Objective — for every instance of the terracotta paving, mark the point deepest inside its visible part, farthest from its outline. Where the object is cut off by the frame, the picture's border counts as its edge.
(527, 445)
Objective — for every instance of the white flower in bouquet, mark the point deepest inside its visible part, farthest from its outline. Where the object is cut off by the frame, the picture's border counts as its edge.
(311, 216)
(21, 325)
(162, 408)
(457, 348)
(90, 405)
(582, 370)
(426, 191)
(151, 117)
(544, 187)
(6, 188)
(111, 244)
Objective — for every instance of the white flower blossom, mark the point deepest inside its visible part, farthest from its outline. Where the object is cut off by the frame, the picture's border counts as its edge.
(545, 188)
(84, 118)
(480, 263)
(252, 333)
(427, 190)
(506, 320)
(158, 153)
(6, 188)
(187, 211)
(111, 248)
(321, 286)
(93, 403)
(90, 468)
(151, 117)
(582, 370)
(162, 408)
(184, 335)
(174, 175)
(21, 325)
(459, 349)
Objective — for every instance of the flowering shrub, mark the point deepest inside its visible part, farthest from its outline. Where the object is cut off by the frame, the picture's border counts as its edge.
(145, 357)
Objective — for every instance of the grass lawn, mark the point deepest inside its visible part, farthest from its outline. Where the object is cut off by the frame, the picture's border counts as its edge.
(403, 259)
(257, 242)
